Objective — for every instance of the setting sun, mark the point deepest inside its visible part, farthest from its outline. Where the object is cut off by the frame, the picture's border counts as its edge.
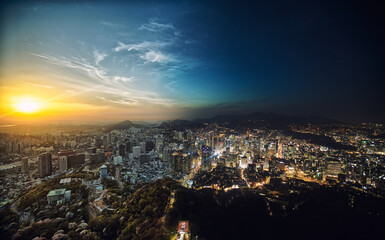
(27, 105)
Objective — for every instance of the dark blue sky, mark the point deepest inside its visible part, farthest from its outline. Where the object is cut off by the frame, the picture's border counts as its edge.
(299, 57)
(188, 59)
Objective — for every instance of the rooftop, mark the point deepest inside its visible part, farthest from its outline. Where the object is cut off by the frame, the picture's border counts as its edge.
(65, 180)
(56, 192)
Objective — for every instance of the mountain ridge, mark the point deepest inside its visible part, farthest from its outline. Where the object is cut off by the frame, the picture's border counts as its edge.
(255, 118)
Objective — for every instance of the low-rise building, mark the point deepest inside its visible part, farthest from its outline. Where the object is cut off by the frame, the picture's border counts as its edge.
(58, 195)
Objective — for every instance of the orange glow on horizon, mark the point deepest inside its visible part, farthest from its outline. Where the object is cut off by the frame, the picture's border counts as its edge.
(28, 105)
(24, 104)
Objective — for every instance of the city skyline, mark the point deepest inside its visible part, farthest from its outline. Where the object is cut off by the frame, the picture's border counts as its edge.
(112, 61)
(187, 119)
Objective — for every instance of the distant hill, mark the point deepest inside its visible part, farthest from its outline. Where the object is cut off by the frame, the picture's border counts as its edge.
(39, 128)
(180, 124)
(272, 118)
(122, 125)
(320, 140)
(256, 119)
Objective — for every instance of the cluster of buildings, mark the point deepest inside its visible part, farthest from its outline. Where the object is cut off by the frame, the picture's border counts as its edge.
(142, 155)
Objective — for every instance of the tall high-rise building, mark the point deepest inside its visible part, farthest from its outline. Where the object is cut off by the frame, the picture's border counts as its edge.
(173, 162)
(144, 157)
(45, 164)
(333, 167)
(136, 151)
(63, 159)
(128, 147)
(242, 161)
(98, 157)
(103, 171)
(186, 163)
(69, 159)
(122, 150)
(150, 145)
(206, 157)
(166, 154)
(143, 146)
(25, 165)
(76, 160)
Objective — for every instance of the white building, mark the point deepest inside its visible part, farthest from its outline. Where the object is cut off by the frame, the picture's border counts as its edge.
(103, 171)
(118, 160)
(137, 151)
(58, 195)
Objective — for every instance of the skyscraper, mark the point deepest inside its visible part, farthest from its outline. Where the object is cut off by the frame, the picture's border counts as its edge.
(63, 159)
(122, 150)
(143, 147)
(136, 151)
(333, 167)
(166, 154)
(69, 159)
(45, 164)
(25, 165)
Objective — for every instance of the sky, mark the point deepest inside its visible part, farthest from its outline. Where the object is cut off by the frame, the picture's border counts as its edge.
(98, 61)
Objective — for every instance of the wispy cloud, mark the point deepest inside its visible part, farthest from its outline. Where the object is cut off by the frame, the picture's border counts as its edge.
(122, 88)
(118, 101)
(123, 79)
(156, 56)
(136, 72)
(155, 26)
(166, 50)
(111, 24)
(142, 46)
(171, 86)
(37, 85)
(99, 56)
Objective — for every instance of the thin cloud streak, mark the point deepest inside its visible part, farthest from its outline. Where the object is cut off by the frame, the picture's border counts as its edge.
(38, 85)
(171, 86)
(155, 56)
(120, 101)
(99, 56)
(117, 85)
(142, 46)
(111, 24)
(154, 26)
